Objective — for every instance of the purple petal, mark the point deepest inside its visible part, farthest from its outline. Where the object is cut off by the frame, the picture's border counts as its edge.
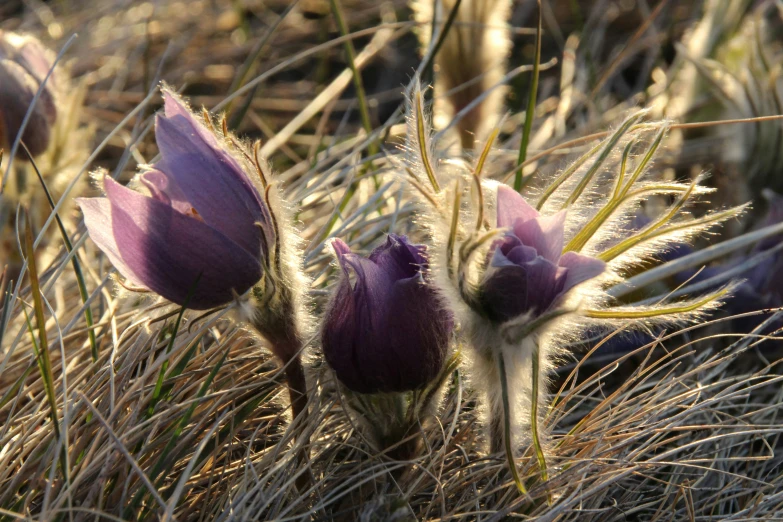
(210, 178)
(512, 290)
(521, 254)
(545, 282)
(390, 338)
(98, 219)
(544, 233)
(166, 251)
(580, 268)
(512, 206)
(398, 258)
(37, 59)
(340, 249)
(372, 283)
(166, 190)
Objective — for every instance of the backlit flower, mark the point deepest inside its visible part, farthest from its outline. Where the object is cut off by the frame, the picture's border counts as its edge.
(528, 272)
(201, 228)
(388, 332)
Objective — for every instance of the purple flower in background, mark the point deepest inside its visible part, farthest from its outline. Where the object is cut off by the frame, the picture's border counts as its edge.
(527, 270)
(765, 278)
(204, 219)
(389, 331)
(24, 63)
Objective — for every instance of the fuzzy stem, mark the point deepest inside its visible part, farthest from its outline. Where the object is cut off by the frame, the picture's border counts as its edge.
(496, 418)
(297, 387)
(534, 415)
(506, 434)
(297, 393)
(403, 444)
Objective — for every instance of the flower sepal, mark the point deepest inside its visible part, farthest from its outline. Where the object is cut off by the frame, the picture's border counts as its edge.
(395, 422)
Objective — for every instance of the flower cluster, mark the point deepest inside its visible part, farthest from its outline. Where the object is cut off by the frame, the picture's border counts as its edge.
(512, 274)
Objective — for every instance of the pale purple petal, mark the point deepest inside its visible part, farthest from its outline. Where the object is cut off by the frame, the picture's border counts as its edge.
(166, 190)
(512, 206)
(210, 178)
(544, 233)
(37, 59)
(98, 219)
(169, 252)
(521, 254)
(340, 249)
(580, 268)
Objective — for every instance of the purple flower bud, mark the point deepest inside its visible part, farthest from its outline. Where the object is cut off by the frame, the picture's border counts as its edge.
(389, 331)
(527, 270)
(204, 219)
(24, 63)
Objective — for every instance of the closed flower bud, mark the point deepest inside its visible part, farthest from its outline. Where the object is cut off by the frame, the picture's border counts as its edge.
(24, 63)
(202, 227)
(527, 271)
(388, 332)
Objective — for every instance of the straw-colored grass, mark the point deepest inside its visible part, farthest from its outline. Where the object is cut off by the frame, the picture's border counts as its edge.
(196, 427)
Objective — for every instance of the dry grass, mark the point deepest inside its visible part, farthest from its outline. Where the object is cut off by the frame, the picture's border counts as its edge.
(195, 426)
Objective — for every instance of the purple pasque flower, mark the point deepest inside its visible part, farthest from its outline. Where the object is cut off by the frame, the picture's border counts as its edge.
(763, 285)
(389, 331)
(202, 227)
(24, 63)
(528, 271)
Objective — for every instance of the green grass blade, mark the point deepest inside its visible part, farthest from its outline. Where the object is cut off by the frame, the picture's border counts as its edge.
(350, 52)
(77, 269)
(537, 447)
(156, 394)
(531, 107)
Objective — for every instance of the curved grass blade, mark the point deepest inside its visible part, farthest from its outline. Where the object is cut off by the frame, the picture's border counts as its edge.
(77, 269)
(42, 348)
(350, 52)
(534, 417)
(656, 312)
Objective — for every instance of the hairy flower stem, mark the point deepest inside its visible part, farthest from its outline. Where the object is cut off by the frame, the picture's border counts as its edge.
(297, 394)
(505, 435)
(297, 387)
(277, 324)
(392, 420)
